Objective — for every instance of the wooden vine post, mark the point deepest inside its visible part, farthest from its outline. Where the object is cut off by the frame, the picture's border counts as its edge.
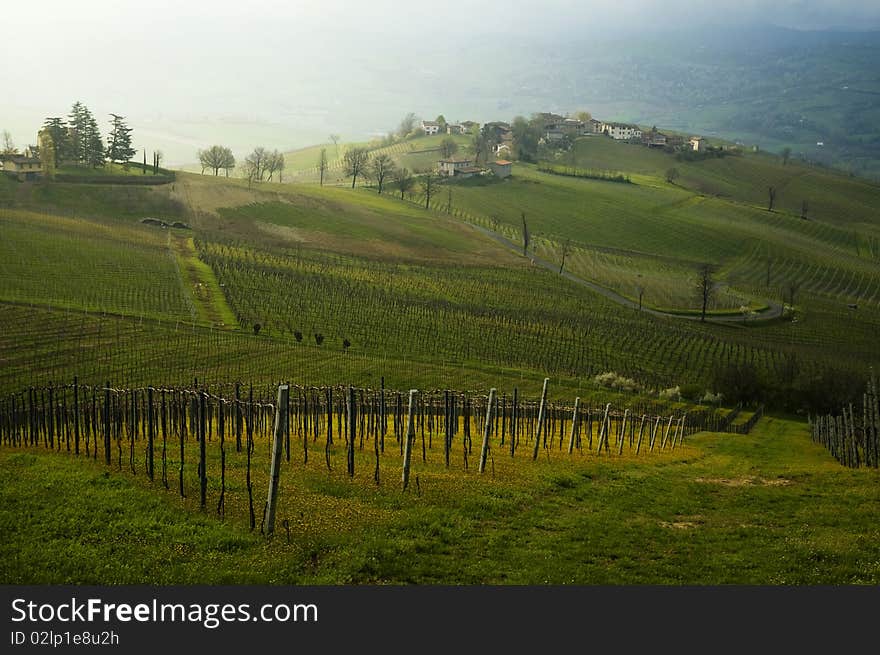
(603, 430)
(410, 435)
(484, 449)
(277, 443)
(203, 469)
(75, 415)
(106, 425)
(352, 430)
(541, 410)
(150, 433)
(620, 440)
(574, 424)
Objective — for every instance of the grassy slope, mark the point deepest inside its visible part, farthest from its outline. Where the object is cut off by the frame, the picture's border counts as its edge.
(768, 508)
(99, 266)
(91, 200)
(833, 197)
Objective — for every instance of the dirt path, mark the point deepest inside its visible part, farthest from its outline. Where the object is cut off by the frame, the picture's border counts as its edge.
(773, 311)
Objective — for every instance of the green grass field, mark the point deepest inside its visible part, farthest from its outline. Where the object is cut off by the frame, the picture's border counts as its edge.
(767, 508)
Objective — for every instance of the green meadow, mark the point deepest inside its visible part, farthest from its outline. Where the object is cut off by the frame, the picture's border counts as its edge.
(764, 508)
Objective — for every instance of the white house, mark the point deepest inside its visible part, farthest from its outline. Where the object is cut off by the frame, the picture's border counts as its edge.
(431, 127)
(622, 131)
(698, 144)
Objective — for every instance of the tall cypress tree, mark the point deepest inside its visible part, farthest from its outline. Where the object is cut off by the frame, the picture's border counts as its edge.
(119, 147)
(94, 144)
(76, 129)
(57, 131)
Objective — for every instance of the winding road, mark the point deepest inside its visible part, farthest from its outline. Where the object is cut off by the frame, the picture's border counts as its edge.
(773, 311)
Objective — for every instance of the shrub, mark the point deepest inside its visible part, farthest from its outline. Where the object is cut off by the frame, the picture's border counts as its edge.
(672, 393)
(691, 391)
(614, 380)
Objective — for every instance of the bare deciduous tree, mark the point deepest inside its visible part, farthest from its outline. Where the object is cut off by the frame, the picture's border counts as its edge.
(792, 287)
(403, 180)
(216, 158)
(8, 144)
(705, 289)
(804, 208)
(356, 162)
(566, 250)
(381, 168)
(255, 165)
(322, 164)
(525, 234)
(771, 191)
(335, 139)
(407, 125)
(786, 153)
(429, 182)
(275, 164)
(448, 147)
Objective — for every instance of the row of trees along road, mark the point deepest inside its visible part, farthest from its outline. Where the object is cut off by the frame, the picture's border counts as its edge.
(78, 140)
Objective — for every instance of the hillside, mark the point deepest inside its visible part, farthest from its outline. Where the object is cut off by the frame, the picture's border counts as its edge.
(397, 283)
(149, 335)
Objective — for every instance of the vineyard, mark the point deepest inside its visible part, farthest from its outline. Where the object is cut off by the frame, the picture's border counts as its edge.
(197, 440)
(379, 485)
(506, 317)
(853, 440)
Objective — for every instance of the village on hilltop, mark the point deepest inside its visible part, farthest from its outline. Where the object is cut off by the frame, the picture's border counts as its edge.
(554, 130)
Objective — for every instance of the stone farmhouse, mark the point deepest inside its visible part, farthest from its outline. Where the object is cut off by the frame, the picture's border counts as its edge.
(21, 167)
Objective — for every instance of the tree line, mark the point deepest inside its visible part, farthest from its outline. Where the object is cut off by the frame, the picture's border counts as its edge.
(78, 140)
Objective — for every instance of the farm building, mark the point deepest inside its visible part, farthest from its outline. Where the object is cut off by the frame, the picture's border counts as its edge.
(501, 168)
(654, 139)
(21, 167)
(469, 127)
(451, 167)
(468, 171)
(697, 144)
(454, 128)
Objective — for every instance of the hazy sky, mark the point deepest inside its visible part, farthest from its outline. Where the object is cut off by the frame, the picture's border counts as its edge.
(287, 71)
